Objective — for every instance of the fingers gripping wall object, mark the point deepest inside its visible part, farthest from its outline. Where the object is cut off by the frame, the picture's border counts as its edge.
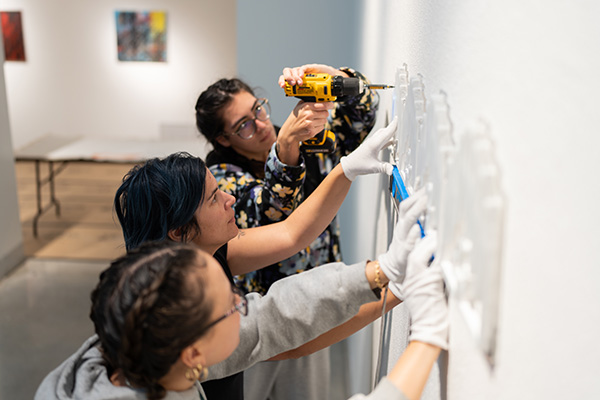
(365, 159)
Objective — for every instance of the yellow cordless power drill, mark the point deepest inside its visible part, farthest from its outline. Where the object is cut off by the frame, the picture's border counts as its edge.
(320, 88)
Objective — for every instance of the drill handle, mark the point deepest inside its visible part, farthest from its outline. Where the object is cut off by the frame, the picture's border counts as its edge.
(322, 142)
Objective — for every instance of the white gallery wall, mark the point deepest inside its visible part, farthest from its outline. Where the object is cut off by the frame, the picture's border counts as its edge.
(273, 34)
(530, 69)
(11, 243)
(72, 83)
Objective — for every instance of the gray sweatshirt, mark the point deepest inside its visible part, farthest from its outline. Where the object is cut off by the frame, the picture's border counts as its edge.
(295, 310)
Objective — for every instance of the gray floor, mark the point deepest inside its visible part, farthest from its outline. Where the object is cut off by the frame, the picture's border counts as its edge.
(44, 307)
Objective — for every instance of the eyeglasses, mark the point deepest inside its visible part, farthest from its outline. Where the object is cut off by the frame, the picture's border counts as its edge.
(261, 111)
(241, 306)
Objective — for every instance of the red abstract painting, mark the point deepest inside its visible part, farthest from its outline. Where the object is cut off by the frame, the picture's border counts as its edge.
(12, 31)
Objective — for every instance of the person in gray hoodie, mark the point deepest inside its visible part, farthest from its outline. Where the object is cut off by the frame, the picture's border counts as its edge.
(166, 318)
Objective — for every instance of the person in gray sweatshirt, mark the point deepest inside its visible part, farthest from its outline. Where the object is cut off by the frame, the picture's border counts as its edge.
(167, 318)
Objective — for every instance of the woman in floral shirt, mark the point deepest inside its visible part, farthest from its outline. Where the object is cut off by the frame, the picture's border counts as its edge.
(266, 169)
(266, 187)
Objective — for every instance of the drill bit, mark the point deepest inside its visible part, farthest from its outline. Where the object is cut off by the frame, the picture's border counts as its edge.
(379, 86)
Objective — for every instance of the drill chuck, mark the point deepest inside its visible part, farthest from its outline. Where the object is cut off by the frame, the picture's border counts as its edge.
(341, 86)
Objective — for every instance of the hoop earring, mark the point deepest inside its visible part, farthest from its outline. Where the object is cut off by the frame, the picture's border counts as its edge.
(197, 373)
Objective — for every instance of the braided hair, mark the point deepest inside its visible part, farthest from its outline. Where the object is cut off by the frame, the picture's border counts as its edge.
(147, 309)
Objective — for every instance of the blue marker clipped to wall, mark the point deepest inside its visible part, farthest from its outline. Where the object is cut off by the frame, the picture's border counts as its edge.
(399, 191)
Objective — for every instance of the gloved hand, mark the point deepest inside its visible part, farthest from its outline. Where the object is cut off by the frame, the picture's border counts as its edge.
(424, 296)
(365, 159)
(406, 233)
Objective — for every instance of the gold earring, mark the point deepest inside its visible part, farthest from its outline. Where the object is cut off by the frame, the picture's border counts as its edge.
(197, 373)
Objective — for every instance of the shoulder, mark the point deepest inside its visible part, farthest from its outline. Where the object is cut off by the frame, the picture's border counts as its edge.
(82, 376)
(221, 257)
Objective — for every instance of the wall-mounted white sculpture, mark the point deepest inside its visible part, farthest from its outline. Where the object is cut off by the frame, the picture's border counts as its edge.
(466, 202)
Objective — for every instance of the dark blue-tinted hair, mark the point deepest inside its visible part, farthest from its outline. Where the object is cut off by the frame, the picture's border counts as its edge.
(159, 196)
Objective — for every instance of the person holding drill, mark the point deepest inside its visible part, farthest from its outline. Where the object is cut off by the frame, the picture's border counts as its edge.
(265, 168)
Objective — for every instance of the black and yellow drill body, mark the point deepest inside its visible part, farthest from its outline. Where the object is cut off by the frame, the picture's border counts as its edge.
(320, 88)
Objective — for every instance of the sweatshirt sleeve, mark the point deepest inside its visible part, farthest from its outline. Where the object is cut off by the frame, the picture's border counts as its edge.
(296, 310)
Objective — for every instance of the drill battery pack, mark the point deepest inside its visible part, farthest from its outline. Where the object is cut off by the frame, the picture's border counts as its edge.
(322, 142)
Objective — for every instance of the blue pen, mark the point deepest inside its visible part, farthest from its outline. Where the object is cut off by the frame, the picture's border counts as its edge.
(400, 193)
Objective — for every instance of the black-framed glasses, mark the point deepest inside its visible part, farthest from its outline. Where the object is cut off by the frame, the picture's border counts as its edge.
(241, 306)
(261, 112)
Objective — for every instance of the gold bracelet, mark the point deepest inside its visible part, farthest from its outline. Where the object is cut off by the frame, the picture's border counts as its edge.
(377, 277)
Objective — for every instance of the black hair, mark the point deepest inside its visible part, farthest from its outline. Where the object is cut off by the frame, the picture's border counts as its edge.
(160, 196)
(211, 102)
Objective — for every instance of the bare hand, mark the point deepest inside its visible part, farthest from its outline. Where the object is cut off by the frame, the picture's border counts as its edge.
(305, 121)
(294, 76)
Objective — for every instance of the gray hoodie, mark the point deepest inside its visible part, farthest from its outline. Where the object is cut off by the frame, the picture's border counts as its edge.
(296, 310)
(83, 376)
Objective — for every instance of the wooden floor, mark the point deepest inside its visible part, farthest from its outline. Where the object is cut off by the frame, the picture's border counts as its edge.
(87, 228)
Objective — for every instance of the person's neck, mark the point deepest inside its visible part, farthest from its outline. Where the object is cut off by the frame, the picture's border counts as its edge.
(262, 157)
(210, 249)
(175, 380)
(118, 379)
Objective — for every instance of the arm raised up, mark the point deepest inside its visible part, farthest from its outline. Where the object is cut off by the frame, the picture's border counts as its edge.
(265, 245)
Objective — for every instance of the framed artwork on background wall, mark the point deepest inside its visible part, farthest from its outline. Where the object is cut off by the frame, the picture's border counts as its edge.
(141, 35)
(12, 32)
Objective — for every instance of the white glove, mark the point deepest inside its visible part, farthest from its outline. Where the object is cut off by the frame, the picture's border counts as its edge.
(365, 159)
(406, 233)
(424, 296)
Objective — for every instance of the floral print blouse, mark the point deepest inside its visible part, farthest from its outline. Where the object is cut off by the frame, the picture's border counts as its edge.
(262, 200)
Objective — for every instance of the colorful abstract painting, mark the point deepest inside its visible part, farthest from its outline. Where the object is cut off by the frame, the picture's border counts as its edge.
(141, 36)
(12, 31)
